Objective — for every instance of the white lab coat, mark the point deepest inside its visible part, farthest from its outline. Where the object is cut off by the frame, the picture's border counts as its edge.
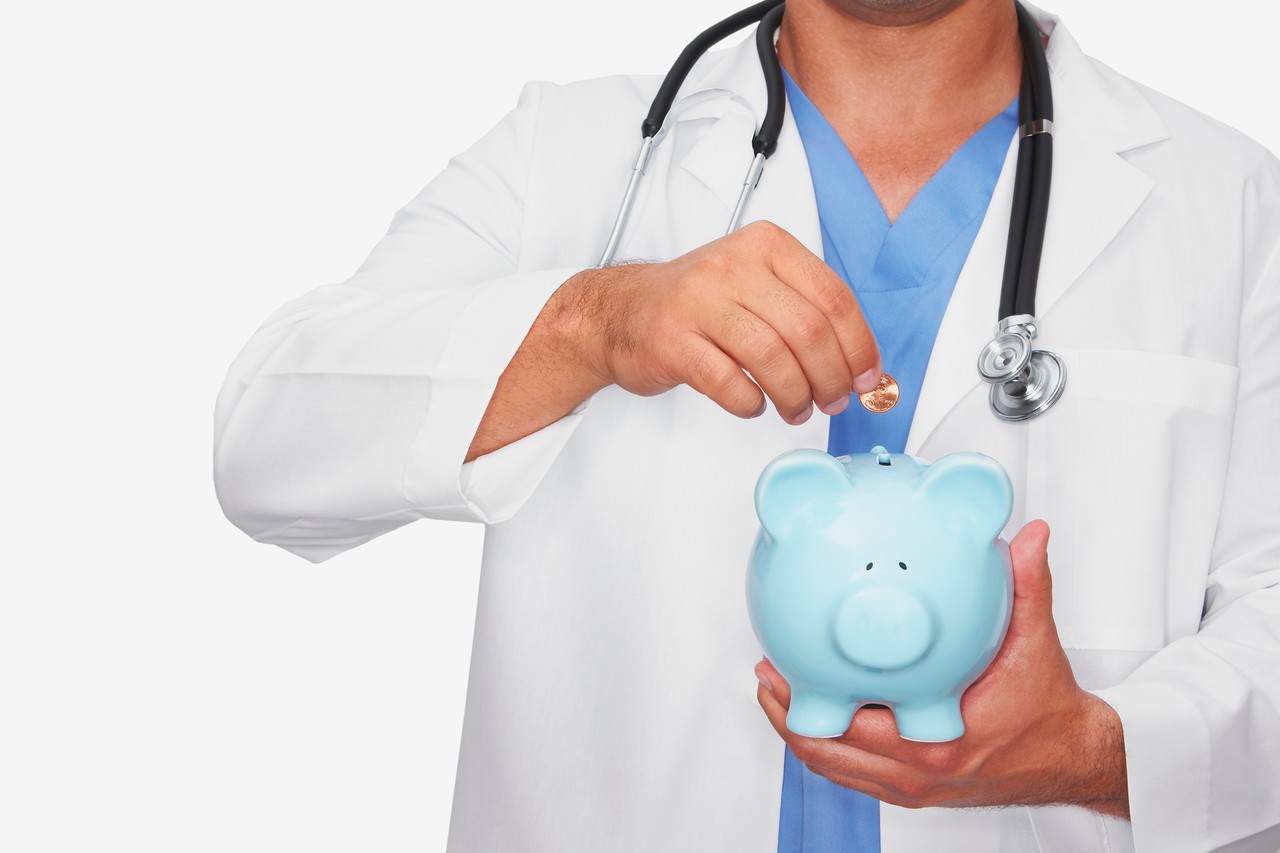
(611, 704)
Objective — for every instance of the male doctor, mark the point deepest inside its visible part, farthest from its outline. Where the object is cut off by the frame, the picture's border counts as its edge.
(608, 425)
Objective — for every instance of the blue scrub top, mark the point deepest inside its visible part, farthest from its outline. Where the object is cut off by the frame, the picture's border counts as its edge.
(903, 274)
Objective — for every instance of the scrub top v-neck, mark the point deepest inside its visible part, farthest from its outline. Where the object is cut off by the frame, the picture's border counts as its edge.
(902, 274)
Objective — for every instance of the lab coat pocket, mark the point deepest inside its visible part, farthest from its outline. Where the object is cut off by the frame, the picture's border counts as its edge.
(1128, 469)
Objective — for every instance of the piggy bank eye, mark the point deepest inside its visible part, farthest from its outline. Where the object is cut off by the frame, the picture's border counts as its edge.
(902, 566)
(868, 567)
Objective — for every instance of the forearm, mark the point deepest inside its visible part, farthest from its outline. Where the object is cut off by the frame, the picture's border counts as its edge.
(547, 378)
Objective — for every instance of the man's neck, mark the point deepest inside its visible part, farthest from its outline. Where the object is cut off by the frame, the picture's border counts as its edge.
(903, 97)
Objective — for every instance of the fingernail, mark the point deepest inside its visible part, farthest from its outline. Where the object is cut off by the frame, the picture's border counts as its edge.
(867, 381)
(764, 406)
(838, 406)
(764, 679)
(805, 415)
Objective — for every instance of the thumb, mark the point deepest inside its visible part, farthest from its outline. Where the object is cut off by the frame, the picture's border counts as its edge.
(773, 682)
(1032, 583)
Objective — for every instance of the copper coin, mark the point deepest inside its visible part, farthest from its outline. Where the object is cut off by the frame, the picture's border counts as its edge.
(883, 397)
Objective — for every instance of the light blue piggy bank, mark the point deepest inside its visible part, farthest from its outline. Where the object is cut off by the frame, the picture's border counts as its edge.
(879, 578)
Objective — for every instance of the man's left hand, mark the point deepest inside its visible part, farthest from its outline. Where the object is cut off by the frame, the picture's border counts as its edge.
(1032, 735)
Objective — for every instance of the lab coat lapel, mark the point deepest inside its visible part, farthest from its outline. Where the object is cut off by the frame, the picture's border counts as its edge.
(1095, 192)
(731, 91)
(785, 194)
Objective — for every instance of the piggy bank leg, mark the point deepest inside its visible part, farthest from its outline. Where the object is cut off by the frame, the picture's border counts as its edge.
(931, 722)
(815, 714)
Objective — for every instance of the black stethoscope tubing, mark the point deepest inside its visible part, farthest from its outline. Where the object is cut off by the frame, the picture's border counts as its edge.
(1035, 158)
(694, 51)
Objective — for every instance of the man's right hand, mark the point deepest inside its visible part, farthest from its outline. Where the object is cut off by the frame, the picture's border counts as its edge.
(755, 301)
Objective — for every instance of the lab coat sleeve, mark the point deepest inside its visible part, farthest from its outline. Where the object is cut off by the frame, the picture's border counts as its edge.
(350, 410)
(1201, 717)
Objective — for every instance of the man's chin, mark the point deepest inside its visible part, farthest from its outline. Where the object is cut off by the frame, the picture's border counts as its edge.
(895, 13)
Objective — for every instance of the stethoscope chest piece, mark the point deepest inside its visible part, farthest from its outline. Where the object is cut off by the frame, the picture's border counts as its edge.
(1024, 381)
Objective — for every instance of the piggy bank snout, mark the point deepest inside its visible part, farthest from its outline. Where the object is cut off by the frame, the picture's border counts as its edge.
(883, 628)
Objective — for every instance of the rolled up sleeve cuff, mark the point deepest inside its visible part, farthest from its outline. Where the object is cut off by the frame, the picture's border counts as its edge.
(1166, 744)
(482, 342)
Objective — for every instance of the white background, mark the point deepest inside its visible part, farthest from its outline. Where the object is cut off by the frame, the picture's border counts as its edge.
(172, 172)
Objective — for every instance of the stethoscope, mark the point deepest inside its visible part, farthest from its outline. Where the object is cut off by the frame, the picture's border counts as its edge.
(1024, 381)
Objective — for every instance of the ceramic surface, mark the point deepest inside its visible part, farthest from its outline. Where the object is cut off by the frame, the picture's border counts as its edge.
(880, 578)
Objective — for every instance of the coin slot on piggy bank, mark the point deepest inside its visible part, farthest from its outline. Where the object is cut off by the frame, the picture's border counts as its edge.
(879, 578)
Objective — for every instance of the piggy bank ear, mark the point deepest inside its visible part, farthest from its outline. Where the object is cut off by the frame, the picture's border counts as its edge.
(793, 483)
(969, 493)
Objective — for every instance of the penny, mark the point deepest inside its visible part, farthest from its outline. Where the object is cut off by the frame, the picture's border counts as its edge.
(883, 397)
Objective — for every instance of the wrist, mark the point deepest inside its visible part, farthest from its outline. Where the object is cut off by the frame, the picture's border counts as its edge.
(1102, 782)
(576, 325)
